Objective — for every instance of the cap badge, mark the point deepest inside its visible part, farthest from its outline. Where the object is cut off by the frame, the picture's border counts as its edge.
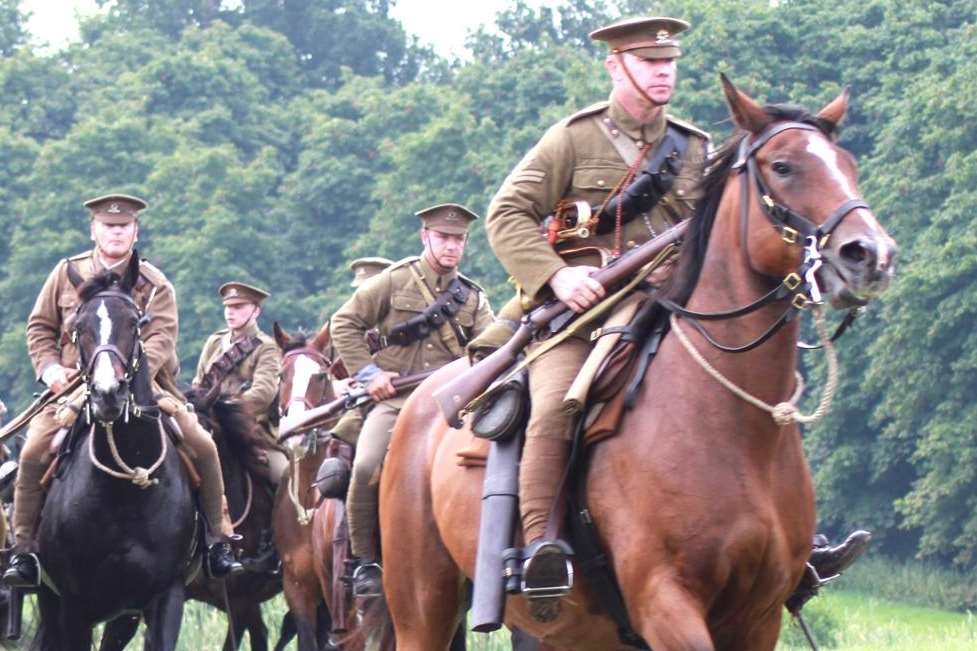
(233, 292)
(662, 36)
(114, 208)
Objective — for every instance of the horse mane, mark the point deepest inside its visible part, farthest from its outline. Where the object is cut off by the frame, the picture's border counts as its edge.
(230, 419)
(100, 282)
(712, 184)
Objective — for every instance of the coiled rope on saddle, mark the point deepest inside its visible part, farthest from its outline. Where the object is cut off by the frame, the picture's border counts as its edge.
(141, 477)
(783, 413)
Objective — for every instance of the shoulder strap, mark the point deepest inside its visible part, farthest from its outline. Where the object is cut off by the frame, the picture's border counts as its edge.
(625, 147)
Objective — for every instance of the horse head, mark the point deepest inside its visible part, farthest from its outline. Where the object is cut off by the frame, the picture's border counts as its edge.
(797, 179)
(305, 371)
(106, 333)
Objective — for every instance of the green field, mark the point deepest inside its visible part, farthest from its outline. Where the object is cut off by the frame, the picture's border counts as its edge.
(842, 620)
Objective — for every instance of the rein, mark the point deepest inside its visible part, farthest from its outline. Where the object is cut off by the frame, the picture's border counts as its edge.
(141, 477)
(800, 286)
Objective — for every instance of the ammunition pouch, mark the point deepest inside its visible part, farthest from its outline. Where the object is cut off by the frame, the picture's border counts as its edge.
(417, 328)
(506, 413)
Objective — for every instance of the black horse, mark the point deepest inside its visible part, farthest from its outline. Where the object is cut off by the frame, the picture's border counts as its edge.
(119, 523)
(238, 440)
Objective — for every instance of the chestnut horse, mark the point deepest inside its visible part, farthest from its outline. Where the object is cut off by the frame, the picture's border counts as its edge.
(305, 383)
(703, 503)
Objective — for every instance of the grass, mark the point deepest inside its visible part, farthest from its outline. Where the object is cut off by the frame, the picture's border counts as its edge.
(879, 605)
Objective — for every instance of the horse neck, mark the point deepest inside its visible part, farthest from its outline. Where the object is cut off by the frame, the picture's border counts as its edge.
(727, 281)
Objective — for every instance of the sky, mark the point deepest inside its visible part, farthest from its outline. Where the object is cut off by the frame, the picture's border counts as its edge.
(441, 23)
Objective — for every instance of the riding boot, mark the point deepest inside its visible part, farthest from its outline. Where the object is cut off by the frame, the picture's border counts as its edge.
(24, 569)
(367, 579)
(265, 559)
(547, 573)
(825, 563)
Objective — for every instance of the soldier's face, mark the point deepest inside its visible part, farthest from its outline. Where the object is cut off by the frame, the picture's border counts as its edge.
(237, 315)
(445, 248)
(114, 241)
(656, 77)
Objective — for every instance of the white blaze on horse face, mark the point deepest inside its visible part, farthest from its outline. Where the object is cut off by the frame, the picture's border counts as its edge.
(305, 368)
(820, 147)
(104, 375)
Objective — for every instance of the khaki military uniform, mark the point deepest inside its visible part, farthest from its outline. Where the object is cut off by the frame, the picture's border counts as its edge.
(574, 161)
(385, 300)
(49, 329)
(254, 381)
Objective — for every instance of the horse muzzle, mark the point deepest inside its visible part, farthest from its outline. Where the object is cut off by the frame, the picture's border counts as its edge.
(858, 270)
(109, 406)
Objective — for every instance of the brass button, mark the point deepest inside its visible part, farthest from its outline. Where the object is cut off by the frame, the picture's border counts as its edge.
(600, 182)
(426, 365)
(680, 192)
(639, 143)
(614, 132)
(430, 346)
(632, 244)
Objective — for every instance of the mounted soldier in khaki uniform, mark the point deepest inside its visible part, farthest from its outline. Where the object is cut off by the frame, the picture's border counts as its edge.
(114, 228)
(581, 162)
(420, 313)
(242, 362)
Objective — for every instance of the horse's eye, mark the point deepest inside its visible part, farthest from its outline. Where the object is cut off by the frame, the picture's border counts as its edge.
(781, 168)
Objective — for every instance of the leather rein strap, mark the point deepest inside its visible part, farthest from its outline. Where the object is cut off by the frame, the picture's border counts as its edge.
(800, 286)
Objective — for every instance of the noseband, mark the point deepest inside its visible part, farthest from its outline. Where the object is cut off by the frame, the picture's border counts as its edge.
(800, 286)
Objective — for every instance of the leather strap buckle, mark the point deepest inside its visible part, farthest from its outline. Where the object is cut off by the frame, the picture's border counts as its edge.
(792, 281)
(800, 301)
(789, 235)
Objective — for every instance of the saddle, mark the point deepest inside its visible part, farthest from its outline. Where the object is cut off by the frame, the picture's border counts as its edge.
(605, 388)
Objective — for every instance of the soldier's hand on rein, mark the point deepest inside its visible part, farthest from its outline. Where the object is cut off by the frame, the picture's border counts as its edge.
(575, 287)
(382, 388)
(55, 377)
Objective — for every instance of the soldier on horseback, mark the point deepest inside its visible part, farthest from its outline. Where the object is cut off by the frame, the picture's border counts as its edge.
(114, 228)
(588, 158)
(242, 362)
(424, 313)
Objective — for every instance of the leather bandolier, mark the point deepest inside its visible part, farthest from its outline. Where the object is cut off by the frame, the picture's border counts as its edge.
(227, 362)
(439, 313)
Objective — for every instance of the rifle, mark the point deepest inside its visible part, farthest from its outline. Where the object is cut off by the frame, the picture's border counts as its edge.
(457, 395)
(349, 400)
(37, 406)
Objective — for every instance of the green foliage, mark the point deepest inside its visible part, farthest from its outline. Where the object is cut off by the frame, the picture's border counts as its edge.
(275, 141)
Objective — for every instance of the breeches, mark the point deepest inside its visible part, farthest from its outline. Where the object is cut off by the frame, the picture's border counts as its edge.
(550, 377)
(364, 487)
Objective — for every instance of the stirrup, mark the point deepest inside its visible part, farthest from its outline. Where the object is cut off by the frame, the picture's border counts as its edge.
(359, 572)
(12, 578)
(558, 581)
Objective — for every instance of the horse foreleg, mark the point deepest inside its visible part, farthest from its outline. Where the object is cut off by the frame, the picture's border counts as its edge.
(761, 635)
(119, 632)
(163, 618)
(303, 601)
(249, 619)
(671, 619)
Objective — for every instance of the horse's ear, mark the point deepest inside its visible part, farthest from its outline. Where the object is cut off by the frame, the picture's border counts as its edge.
(73, 276)
(834, 112)
(281, 337)
(747, 114)
(321, 341)
(131, 275)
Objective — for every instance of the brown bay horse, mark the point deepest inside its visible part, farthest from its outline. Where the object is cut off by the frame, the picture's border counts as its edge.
(305, 383)
(703, 503)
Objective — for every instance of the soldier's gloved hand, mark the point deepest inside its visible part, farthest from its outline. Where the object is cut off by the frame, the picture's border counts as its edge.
(575, 287)
(382, 388)
(55, 377)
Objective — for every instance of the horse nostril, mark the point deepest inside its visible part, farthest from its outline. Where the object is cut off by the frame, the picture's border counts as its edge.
(860, 254)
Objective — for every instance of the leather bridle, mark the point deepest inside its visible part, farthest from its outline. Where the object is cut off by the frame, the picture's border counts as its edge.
(288, 359)
(130, 362)
(800, 286)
